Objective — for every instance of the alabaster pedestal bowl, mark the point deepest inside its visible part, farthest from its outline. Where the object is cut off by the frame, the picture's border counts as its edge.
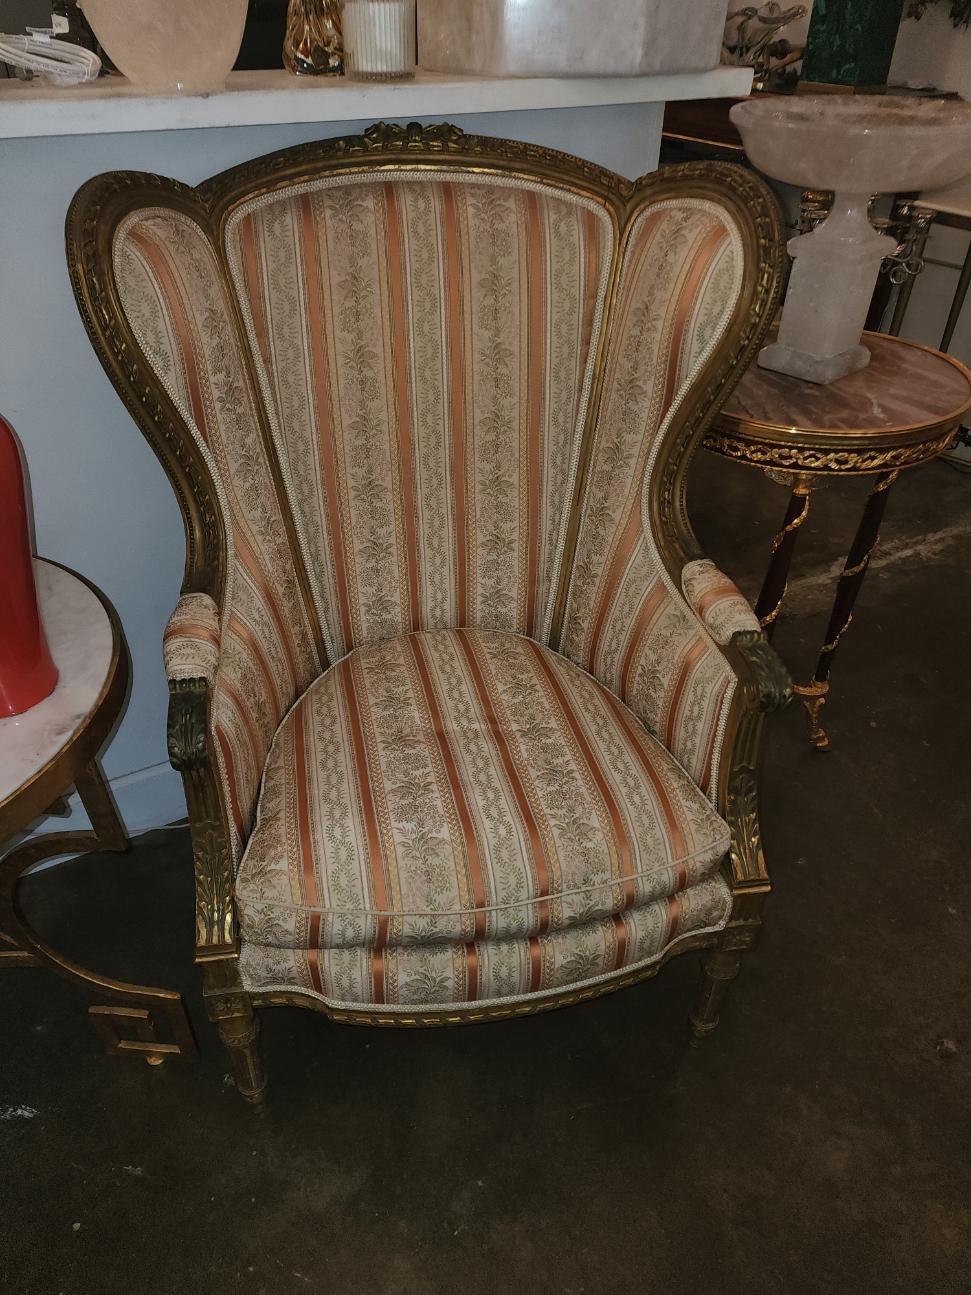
(856, 146)
(857, 143)
(179, 46)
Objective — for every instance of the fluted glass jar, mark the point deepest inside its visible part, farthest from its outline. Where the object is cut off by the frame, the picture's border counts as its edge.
(379, 39)
(312, 45)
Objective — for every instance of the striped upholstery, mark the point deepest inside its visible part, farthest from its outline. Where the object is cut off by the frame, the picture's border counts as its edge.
(717, 601)
(465, 786)
(170, 287)
(626, 621)
(190, 644)
(424, 349)
(493, 971)
(450, 811)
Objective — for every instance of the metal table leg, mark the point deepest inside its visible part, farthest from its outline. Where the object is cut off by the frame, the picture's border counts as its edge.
(141, 1007)
(911, 265)
(957, 305)
(814, 693)
(776, 581)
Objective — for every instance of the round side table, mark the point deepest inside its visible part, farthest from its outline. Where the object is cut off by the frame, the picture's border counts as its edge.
(902, 410)
(43, 753)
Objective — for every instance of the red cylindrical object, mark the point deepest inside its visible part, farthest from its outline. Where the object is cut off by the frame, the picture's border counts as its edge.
(27, 673)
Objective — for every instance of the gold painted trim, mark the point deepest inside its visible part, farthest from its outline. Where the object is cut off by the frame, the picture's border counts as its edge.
(821, 459)
(677, 137)
(830, 87)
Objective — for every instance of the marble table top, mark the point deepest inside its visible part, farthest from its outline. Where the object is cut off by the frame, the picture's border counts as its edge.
(81, 640)
(902, 409)
(904, 388)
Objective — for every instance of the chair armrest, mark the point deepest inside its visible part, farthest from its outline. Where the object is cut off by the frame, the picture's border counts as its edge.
(190, 644)
(717, 602)
(726, 615)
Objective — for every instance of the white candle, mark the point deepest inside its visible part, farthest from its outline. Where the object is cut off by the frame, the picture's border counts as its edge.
(379, 37)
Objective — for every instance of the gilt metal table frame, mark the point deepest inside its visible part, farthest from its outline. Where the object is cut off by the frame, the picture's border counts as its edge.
(801, 458)
(141, 1011)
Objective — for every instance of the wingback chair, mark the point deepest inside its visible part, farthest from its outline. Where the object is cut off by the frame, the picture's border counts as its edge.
(468, 726)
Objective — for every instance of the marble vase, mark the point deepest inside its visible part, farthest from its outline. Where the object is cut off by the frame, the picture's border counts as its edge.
(181, 46)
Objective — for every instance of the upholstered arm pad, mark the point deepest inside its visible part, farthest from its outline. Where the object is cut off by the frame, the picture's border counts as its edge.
(716, 601)
(190, 645)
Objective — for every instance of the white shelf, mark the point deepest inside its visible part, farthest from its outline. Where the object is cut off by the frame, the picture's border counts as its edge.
(112, 105)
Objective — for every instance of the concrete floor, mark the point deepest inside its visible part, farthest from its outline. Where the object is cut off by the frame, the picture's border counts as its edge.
(818, 1142)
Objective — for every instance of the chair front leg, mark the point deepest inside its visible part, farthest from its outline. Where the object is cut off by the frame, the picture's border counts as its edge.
(719, 969)
(723, 963)
(764, 687)
(230, 1008)
(228, 1004)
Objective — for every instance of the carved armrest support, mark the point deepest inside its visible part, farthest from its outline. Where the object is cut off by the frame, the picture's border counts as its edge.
(767, 670)
(766, 687)
(188, 733)
(188, 726)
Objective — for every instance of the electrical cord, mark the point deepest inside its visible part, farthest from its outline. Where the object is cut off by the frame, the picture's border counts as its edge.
(55, 60)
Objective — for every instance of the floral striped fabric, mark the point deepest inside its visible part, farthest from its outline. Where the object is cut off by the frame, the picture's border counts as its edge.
(493, 971)
(171, 290)
(425, 355)
(464, 786)
(718, 603)
(626, 621)
(425, 351)
(190, 644)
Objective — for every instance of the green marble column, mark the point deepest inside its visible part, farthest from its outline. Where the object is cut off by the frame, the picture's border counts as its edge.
(850, 43)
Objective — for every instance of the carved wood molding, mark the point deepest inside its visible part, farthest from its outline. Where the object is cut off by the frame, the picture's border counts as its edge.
(808, 458)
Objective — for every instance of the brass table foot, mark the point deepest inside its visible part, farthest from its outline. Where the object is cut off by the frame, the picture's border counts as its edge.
(813, 697)
(139, 1019)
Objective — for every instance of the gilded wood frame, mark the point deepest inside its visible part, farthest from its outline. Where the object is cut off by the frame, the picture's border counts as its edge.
(97, 211)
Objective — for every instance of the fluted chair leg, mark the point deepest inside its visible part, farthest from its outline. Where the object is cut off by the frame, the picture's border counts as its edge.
(719, 970)
(230, 1009)
(241, 1036)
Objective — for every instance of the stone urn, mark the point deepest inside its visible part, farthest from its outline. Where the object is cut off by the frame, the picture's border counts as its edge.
(856, 146)
(175, 47)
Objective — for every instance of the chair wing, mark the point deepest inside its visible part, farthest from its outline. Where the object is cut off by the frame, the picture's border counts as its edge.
(692, 266)
(172, 295)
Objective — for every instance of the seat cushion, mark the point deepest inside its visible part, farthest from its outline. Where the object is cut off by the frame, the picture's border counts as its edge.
(497, 972)
(463, 786)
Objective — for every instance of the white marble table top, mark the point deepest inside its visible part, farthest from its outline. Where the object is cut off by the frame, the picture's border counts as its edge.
(955, 200)
(80, 637)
